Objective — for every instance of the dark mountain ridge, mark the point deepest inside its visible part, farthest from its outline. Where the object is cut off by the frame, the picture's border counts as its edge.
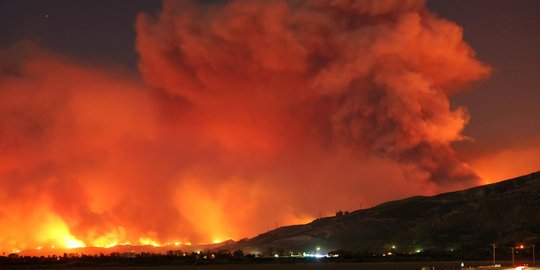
(505, 213)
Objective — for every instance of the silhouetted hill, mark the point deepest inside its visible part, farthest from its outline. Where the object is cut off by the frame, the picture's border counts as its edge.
(505, 213)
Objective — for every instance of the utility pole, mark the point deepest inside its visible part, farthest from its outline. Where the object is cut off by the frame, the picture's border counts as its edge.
(494, 253)
(534, 260)
(513, 256)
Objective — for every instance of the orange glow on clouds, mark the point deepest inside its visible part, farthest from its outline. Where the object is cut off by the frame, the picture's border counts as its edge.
(508, 163)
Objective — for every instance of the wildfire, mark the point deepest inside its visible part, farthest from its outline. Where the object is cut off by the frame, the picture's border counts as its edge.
(112, 238)
(219, 127)
(110, 244)
(71, 242)
(57, 233)
(149, 242)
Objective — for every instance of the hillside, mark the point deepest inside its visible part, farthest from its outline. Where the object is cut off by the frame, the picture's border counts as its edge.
(505, 213)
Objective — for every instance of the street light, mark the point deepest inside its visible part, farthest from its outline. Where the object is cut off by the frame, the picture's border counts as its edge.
(513, 256)
(521, 247)
(534, 260)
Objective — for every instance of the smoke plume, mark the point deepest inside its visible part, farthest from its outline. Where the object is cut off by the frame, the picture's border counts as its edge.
(370, 75)
(248, 113)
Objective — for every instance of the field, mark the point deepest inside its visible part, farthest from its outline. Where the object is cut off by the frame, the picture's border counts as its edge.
(303, 266)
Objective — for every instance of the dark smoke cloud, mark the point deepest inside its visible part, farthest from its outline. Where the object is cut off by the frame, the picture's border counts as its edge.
(250, 113)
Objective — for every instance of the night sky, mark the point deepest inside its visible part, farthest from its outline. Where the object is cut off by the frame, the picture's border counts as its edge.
(142, 122)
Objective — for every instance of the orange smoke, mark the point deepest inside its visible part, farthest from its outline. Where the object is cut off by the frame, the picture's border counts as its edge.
(364, 75)
(509, 162)
(248, 114)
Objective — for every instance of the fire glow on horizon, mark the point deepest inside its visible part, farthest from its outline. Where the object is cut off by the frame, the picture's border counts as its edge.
(56, 236)
(243, 116)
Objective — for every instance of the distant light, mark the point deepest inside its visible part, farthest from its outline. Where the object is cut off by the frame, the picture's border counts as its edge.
(393, 247)
(418, 250)
(318, 248)
(521, 246)
(276, 255)
(317, 255)
(389, 253)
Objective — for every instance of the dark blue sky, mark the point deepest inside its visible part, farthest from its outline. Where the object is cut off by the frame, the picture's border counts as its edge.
(99, 29)
(504, 108)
